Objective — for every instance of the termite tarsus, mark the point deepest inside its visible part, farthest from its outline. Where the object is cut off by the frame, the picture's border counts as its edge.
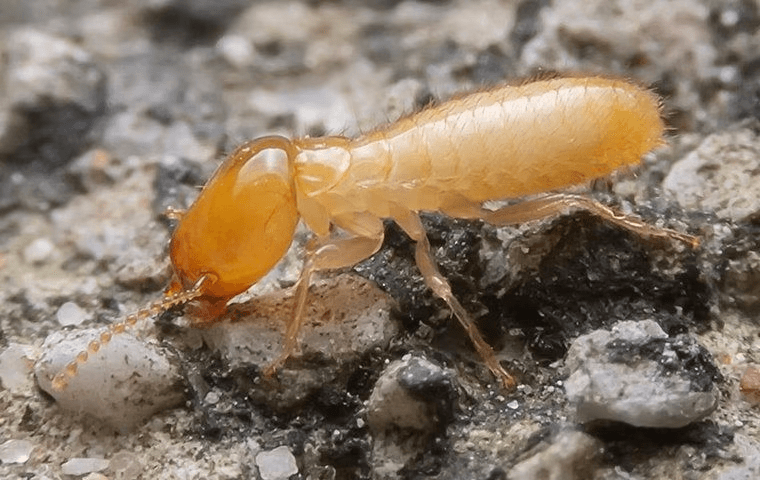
(498, 144)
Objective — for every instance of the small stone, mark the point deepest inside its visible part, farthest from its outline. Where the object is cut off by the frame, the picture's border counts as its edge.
(636, 374)
(311, 107)
(719, 176)
(276, 464)
(237, 50)
(570, 456)
(211, 397)
(127, 464)
(750, 384)
(16, 451)
(83, 466)
(54, 92)
(71, 314)
(95, 167)
(38, 251)
(95, 476)
(15, 366)
(123, 383)
(748, 450)
(412, 393)
(391, 406)
(412, 400)
(347, 317)
(46, 68)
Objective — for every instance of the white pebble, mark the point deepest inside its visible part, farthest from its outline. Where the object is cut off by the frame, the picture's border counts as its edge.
(95, 476)
(38, 251)
(122, 384)
(237, 50)
(16, 451)
(211, 397)
(71, 314)
(277, 464)
(127, 464)
(83, 466)
(15, 366)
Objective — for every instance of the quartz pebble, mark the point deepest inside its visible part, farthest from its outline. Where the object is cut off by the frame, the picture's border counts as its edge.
(15, 451)
(83, 466)
(276, 464)
(38, 251)
(71, 314)
(15, 366)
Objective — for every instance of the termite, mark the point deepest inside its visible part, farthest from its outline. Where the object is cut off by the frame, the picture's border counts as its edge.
(503, 143)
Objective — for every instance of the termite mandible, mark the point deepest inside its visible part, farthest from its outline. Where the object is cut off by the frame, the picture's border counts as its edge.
(503, 143)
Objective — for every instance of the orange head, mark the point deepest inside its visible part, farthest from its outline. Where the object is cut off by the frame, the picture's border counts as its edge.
(239, 227)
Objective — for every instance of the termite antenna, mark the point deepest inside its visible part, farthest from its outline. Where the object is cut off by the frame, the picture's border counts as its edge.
(61, 380)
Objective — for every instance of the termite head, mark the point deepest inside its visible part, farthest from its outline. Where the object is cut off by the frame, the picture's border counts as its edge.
(239, 227)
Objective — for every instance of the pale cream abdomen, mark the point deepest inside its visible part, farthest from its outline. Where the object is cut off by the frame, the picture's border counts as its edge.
(505, 143)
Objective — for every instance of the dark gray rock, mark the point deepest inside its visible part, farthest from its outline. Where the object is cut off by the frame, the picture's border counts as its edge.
(635, 373)
(411, 403)
(54, 93)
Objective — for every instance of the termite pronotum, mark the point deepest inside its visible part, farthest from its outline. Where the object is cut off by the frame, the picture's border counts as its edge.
(498, 144)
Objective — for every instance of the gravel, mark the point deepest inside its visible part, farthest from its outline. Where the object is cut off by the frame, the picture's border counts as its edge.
(110, 113)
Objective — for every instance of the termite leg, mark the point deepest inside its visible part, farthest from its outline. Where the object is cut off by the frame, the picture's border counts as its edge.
(174, 213)
(562, 203)
(411, 224)
(325, 253)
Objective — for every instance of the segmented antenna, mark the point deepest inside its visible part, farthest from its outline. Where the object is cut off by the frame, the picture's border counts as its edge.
(61, 380)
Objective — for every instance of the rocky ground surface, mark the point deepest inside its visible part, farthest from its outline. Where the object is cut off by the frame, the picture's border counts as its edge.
(635, 359)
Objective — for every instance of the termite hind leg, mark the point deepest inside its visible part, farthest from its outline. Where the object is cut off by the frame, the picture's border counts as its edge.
(561, 203)
(410, 222)
(325, 253)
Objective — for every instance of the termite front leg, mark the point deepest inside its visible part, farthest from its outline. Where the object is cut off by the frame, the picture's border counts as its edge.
(410, 222)
(174, 213)
(325, 253)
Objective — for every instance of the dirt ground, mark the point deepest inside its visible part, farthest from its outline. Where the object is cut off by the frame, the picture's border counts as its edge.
(110, 112)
